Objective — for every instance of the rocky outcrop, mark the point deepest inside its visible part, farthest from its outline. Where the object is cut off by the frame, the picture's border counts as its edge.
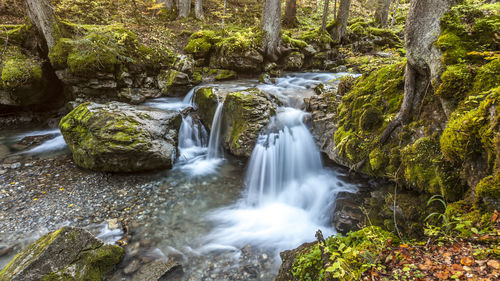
(66, 254)
(117, 137)
(246, 113)
(287, 261)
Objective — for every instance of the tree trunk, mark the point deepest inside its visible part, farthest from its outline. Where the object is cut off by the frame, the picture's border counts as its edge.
(198, 9)
(423, 58)
(325, 15)
(382, 12)
(335, 10)
(291, 13)
(42, 16)
(394, 13)
(168, 4)
(339, 29)
(271, 29)
(184, 7)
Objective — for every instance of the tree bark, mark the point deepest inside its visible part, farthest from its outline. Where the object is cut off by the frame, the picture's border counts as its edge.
(423, 58)
(325, 15)
(338, 31)
(42, 16)
(271, 29)
(198, 9)
(184, 7)
(382, 12)
(335, 10)
(291, 13)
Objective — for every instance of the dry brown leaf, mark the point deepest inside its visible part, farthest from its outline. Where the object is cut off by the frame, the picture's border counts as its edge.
(466, 261)
(494, 264)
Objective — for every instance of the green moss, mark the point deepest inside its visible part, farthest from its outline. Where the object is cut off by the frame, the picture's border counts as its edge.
(488, 77)
(18, 69)
(102, 49)
(378, 159)
(197, 77)
(226, 75)
(198, 46)
(456, 82)
(14, 34)
(453, 48)
(296, 43)
(317, 37)
(471, 132)
(489, 188)
(365, 110)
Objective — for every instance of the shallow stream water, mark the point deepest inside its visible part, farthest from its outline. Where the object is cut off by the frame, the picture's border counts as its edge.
(228, 218)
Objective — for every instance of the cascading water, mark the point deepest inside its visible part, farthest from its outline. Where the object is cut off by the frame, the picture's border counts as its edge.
(214, 149)
(192, 139)
(289, 195)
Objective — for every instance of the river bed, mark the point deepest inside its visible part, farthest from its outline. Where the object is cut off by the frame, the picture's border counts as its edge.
(207, 213)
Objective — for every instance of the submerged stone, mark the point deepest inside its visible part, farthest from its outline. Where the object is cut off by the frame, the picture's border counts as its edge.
(117, 137)
(66, 254)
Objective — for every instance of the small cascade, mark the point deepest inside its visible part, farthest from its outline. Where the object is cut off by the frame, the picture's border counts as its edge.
(214, 146)
(188, 99)
(192, 139)
(283, 155)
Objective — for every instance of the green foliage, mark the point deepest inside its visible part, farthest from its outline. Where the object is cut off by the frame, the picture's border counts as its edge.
(349, 256)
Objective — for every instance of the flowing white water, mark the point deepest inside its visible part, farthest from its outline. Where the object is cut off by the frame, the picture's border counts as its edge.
(289, 195)
(214, 147)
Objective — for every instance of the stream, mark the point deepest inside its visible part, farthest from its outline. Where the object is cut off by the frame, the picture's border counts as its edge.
(222, 217)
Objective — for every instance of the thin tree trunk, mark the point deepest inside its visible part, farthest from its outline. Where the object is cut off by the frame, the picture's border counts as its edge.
(325, 15)
(291, 13)
(42, 16)
(198, 9)
(271, 28)
(339, 29)
(394, 13)
(335, 10)
(184, 7)
(382, 12)
(224, 14)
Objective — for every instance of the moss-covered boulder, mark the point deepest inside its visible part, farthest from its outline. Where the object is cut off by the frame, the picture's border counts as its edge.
(206, 100)
(22, 81)
(245, 113)
(173, 82)
(116, 137)
(294, 61)
(66, 254)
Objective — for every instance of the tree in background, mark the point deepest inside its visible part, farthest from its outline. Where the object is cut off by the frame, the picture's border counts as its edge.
(198, 9)
(271, 29)
(184, 7)
(325, 15)
(42, 16)
(339, 30)
(382, 12)
(290, 13)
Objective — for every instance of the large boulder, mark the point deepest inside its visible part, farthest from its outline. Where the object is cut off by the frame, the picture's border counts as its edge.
(206, 100)
(248, 61)
(245, 113)
(117, 137)
(66, 254)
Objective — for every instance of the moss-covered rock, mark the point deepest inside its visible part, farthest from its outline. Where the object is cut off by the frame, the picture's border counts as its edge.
(201, 43)
(66, 254)
(22, 81)
(116, 137)
(225, 74)
(173, 82)
(245, 114)
(488, 192)
(206, 100)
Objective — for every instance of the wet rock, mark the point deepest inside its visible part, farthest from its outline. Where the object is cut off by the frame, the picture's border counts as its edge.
(287, 260)
(294, 61)
(174, 83)
(116, 137)
(159, 270)
(245, 114)
(68, 253)
(249, 61)
(206, 100)
(184, 64)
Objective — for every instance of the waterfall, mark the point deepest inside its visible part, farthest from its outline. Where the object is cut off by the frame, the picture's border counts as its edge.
(192, 139)
(214, 149)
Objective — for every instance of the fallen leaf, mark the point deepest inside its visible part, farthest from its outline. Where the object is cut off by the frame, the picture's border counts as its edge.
(466, 261)
(443, 275)
(494, 264)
